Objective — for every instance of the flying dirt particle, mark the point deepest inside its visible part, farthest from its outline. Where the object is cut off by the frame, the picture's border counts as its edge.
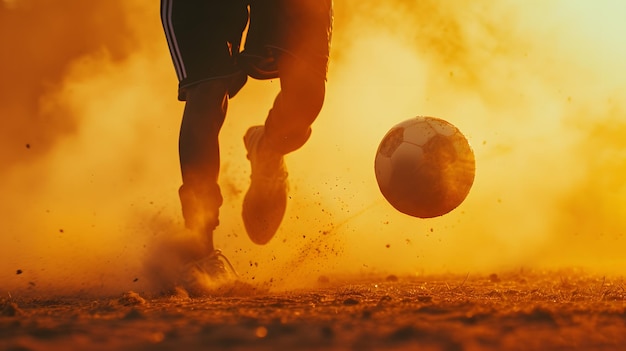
(392, 278)
(131, 298)
(323, 279)
(61, 231)
(19, 271)
(432, 230)
(28, 146)
(424, 298)
(181, 293)
(350, 301)
(387, 246)
(327, 332)
(135, 280)
(134, 314)
(384, 300)
(157, 337)
(10, 309)
(408, 333)
(538, 315)
(260, 332)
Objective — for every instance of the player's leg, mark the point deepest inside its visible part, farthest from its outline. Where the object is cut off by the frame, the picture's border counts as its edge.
(300, 42)
(198, 35)
(205, 110)
(301, 52)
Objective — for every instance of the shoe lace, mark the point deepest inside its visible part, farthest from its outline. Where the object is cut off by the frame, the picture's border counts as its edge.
(212, 264)
(217, 255)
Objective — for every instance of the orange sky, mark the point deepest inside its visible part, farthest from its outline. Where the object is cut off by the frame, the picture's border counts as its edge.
(90, 125)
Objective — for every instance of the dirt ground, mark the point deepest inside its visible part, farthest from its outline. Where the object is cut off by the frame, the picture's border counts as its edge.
(523, 310)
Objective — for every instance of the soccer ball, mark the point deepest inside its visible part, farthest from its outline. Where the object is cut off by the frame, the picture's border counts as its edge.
(424, 167)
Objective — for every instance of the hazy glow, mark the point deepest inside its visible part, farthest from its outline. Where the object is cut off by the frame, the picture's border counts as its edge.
(90, 130)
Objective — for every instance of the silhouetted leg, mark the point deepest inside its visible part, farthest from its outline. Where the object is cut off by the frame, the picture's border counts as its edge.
(199, 152)
(297, 105)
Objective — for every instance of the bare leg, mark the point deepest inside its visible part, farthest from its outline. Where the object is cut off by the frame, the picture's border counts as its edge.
(288, 124)
(287, 128)
(203, 117)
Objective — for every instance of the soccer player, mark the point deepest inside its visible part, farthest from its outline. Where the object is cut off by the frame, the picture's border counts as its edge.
(286, 39)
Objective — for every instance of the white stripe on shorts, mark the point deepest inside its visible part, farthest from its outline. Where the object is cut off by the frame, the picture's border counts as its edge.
(166, 18)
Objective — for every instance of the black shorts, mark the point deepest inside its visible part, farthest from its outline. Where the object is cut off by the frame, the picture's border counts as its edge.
(204, 36)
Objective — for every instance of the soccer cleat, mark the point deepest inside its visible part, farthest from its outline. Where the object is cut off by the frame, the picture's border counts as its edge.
(208, 272)
(266, 200)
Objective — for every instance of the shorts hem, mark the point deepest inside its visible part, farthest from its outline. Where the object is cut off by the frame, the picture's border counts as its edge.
(231, 77)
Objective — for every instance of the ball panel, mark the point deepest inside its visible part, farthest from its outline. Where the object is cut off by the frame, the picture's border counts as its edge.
(418, 133)
(441, 127)
(391, 141)
(407, 155)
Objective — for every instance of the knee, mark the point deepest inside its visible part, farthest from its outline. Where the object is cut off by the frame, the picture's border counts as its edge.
(211, 94)
(207, 101)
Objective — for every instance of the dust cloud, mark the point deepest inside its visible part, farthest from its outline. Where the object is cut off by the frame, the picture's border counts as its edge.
(90, 124)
